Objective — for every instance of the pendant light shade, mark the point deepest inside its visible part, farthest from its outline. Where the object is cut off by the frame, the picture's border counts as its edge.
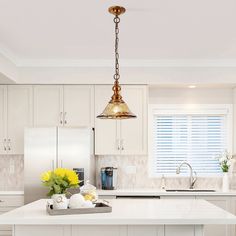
(116, 108)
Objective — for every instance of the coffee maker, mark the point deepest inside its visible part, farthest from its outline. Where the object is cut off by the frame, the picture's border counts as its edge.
(109, 178)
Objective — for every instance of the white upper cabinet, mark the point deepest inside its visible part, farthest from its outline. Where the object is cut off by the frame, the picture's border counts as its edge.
(133, 132)
(18, 116)
(48, 105)
(58, 105)
(78, 105)
(3, 102)
(15, 115)
(106, 131)
(125, 137)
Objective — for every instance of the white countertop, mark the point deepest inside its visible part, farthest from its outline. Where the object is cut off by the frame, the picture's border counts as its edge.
(159, 192)
(127, 212)
(11, 193)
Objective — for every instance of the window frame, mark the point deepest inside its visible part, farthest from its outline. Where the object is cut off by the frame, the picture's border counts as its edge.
(188, 109)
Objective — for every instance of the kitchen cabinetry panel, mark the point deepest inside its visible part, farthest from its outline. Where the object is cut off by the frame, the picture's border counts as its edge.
(48, 105)
(133, 131)
(233, 211)
(98, 230)
(8, 203)
(18, 116)
(46, 230)
(146, 230)
(3, 119)
(15, 115)
(187, 230)
(78, 105)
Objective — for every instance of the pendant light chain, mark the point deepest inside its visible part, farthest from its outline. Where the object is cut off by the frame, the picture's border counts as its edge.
(116, 107)
(117, 70)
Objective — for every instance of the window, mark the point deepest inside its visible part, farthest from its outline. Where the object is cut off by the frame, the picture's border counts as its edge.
(196, 134)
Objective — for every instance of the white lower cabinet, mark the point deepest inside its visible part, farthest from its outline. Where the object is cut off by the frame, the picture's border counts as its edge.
(145, 230)
(8, 203)
(99, 230)
(45, 230)
(108, 230)
(233, 211)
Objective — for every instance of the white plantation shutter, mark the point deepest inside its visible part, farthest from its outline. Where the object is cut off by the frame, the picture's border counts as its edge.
(195, 138)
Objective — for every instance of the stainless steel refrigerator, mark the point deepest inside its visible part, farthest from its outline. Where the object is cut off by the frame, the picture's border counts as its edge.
(50, 148)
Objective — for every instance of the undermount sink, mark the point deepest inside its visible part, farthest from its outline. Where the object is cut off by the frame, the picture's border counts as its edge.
(190, 190)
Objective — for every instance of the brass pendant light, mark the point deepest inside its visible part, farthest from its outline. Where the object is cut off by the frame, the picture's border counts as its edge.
(116, 108)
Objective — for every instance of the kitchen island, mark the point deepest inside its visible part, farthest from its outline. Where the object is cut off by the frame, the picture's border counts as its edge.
(129, 217)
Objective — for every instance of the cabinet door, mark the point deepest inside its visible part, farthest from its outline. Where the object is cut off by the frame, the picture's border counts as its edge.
(18, 116)
(133, 131)
(78, 105)
(48, 105)
(233, 211)
(99, 230)
(217, 230)
(3, 119)
(106, 131)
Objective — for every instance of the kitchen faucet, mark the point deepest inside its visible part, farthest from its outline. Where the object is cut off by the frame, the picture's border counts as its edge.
(192, 179)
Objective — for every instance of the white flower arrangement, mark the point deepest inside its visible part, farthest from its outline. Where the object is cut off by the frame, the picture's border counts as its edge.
(225, 160)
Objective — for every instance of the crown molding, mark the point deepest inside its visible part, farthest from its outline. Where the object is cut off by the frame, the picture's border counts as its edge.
(126, 63)
(182, 63)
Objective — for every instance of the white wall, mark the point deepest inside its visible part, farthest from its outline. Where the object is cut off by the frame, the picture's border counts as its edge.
(191, 96)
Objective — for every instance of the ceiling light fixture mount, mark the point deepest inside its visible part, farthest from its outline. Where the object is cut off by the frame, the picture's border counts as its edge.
(116, 108)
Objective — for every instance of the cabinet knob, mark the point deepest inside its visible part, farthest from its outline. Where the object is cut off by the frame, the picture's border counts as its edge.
(122, 144)
(9, 144)
(118, 144)
(5, 144)
(61, 118)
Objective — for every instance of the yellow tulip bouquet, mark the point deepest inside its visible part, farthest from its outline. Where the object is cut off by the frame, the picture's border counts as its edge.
(59, 180)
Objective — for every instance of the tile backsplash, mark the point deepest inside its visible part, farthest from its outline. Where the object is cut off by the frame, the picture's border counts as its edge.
(140, 179)
(132, 173)
(11, 172)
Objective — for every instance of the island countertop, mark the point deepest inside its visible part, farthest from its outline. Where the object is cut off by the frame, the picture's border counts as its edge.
(127, 212)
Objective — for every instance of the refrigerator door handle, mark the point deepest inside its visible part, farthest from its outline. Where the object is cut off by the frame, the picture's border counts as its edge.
(52, 164)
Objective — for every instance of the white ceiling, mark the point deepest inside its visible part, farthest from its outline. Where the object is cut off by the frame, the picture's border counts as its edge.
(161, 41)
(153, 29)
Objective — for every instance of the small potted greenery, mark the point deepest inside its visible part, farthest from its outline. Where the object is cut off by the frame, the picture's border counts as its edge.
(225, 161)
(59, 181)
